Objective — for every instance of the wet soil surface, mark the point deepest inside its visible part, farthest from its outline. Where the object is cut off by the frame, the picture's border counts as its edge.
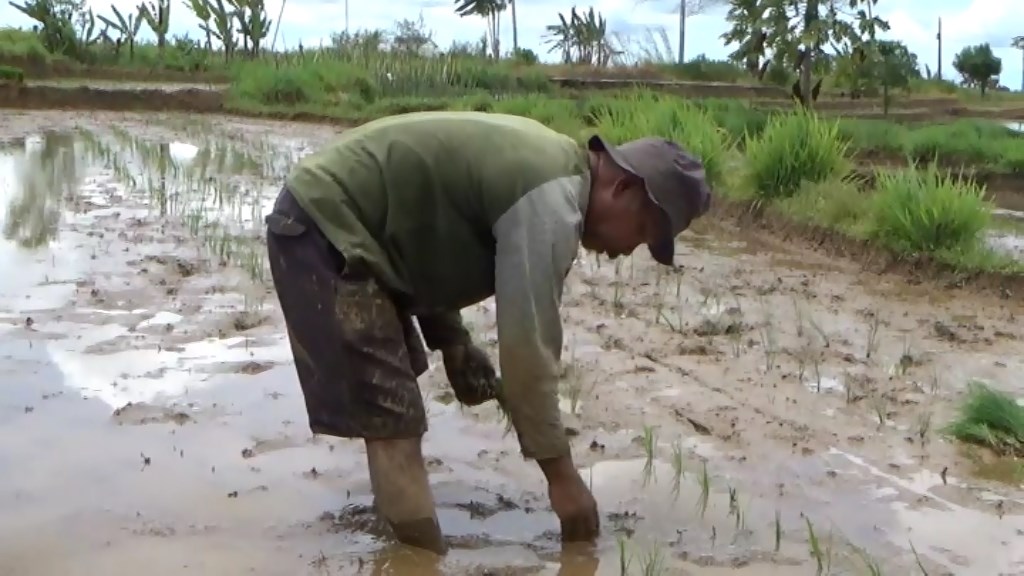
(151, 421)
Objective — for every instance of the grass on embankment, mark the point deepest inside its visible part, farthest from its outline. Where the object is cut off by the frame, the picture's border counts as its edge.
(364, 87)
(991, 419)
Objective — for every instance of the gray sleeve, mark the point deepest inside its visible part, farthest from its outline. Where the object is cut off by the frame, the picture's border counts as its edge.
(537, 240)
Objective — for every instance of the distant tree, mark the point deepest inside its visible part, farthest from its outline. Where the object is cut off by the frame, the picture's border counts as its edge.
(978, 66)
(413, 36)
(796, 33)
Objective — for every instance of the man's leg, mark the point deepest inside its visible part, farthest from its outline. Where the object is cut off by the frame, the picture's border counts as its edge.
(354, 368)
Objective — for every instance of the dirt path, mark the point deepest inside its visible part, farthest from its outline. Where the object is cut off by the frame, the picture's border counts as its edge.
(151, 419)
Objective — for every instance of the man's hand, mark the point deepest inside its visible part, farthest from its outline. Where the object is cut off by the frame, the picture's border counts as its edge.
(571, 500)
(470, 373)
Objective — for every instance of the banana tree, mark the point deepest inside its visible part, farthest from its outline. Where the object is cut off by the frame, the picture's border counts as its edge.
(202, 12)
(582, 39)
(223, 28)
(126, 28)
(56, 31)
(158, 18)
(253, 23)
(490, 11)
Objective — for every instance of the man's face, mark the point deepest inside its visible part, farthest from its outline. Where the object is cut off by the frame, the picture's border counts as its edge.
(621, 217)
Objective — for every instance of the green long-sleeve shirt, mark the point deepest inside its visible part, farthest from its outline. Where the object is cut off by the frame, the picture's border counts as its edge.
(450, 208)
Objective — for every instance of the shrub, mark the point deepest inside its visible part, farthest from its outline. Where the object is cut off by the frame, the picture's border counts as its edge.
(927, 211)
(794, 149)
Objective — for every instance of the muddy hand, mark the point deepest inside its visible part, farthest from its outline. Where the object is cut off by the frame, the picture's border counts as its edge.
(576, 509)
(470, 373)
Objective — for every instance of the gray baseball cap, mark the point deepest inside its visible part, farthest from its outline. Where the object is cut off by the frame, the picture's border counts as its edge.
(674, 179)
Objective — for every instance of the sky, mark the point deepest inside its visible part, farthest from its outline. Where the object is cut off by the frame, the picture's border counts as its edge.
(965, 22)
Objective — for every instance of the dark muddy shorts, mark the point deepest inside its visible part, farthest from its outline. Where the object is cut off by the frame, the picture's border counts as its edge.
(356, 353)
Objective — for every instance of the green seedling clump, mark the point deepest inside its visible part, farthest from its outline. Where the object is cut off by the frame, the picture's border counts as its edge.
(928, 211)
(990, 418)
(792, 150)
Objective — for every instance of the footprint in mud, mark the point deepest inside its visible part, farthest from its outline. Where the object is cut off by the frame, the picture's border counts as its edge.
(138, 413)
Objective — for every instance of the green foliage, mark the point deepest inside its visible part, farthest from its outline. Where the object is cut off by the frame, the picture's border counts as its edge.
(792, 150)
(990, 418)
(918, 211)
(978, 66)
(788, 32)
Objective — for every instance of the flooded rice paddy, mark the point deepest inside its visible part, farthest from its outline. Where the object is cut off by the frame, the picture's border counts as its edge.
(760, 410)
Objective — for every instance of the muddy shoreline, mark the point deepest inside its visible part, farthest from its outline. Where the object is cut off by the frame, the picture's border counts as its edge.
(152, 420)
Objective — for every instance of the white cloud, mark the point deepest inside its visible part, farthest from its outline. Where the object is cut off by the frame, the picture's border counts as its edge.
(914, 22)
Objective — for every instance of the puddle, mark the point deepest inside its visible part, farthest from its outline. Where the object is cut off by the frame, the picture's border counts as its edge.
(1007, 233)
(142, 356)
(1015, 125)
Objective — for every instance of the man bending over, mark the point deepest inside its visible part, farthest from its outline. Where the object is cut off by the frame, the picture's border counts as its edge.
(420, 215)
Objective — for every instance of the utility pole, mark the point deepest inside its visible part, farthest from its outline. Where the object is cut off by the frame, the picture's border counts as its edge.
(682, 30)
(938, 36)
(346, 18)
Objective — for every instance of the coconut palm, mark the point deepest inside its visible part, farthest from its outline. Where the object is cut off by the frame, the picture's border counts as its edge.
(489, 10)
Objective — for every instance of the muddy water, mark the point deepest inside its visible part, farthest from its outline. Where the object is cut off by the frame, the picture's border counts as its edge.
(151, 419)
(1007, 234)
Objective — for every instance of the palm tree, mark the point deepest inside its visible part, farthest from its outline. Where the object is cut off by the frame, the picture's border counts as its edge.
(1018, 43)
(489, 10)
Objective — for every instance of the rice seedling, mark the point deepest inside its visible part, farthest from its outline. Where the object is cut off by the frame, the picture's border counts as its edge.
(798, 318)
(769, 342)
(677, 468)
(617, 287)
(917, 559)
(870, 564)
(649, 443)
(819, 330)
(778, 530)
(880, 406)
(572, 381)
(704, 481)
(906, 360)
(624, 558)
(874, 323)
(653, 562)
(821, 556)
(924, 425)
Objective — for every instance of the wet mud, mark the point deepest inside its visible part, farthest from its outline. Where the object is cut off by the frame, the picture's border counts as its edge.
(723, 412)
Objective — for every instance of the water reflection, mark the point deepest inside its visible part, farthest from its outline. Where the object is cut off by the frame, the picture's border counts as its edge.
(217, 186)
(37, 174)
